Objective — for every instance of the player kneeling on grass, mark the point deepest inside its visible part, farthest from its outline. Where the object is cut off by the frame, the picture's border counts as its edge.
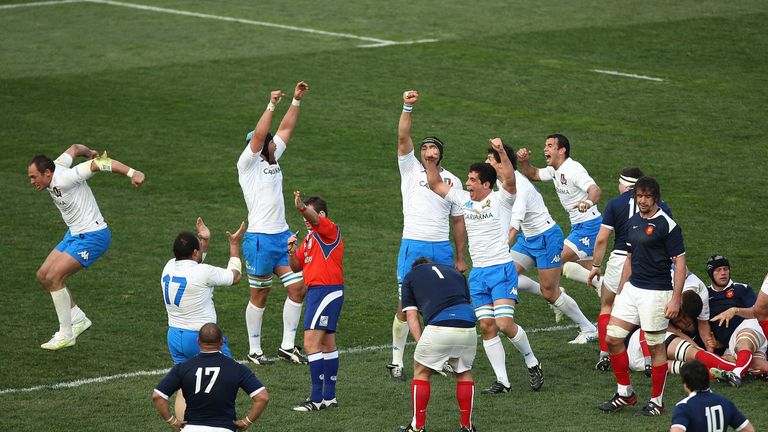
(320, 258)
(441, 295)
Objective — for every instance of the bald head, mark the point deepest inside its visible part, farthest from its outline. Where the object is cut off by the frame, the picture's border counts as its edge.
(210, 334)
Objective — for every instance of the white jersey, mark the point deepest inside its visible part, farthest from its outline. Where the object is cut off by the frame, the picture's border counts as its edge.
(425, 213)
(187, 289)
(73, 196)
(262, 186)
(529, 213)
(487, 223)
(571, 183)
(693, 283)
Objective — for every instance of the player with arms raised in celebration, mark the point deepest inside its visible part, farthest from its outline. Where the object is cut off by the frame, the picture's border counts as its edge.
(261, 179)
(87, 237)
(425, 220)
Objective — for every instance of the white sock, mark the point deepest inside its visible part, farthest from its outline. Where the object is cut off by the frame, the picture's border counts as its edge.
(77, 314)
(399, 336)
(520, 342)
(62, 302)
(575, 272)
(253, 318)
(569, 307)
(291, 316)
(623, 390)
(528, 285)
(494, 350)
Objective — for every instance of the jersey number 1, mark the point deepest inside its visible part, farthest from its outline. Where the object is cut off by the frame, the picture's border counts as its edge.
(167, 280)
(440, 275)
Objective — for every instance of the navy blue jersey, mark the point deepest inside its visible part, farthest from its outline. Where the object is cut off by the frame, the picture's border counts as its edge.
(616, 214)
(653, 243)
(705, 411)
(440, 294)
(734, 295)
(209, 382)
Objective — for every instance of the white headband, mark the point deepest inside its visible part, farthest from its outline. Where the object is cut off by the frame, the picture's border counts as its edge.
(627, 181)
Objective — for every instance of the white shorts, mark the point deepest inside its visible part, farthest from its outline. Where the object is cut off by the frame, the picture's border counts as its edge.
(642, 307)
(200, 428)
(751, 324)
(613, 270)
(455, 345)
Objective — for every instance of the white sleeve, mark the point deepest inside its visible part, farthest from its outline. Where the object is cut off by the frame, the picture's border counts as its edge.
(518, 210)
(408, 164)
(455, 208)
(457, 197)
(64, 160)
(218, 276)
(547, 173)
(280, 146)
(507, 199)
(582, 179)
(247, 158)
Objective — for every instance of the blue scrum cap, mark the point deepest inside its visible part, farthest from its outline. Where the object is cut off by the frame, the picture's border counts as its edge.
(436, 141)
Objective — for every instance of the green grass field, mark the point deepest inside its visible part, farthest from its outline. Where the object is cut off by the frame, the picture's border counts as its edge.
(174, 95)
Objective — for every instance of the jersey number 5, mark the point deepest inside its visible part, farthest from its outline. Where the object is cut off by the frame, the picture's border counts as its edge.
(167, 281)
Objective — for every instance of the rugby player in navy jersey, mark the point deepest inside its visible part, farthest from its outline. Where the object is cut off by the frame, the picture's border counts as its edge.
(736, 331)
(648, 295)
(209, 382)
(441, 295)
(703, 410)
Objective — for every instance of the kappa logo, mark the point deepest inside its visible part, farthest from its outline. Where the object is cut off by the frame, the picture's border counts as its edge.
(323, 320)
(585, 241)
(57, 191)
(468, 204)
(83, 255)
(555, 260)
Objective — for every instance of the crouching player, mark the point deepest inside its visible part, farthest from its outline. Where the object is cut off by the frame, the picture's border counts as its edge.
(320, 258)
(441, 295)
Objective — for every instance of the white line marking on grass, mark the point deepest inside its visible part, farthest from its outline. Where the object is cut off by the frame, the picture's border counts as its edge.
(627, 75)
(45, 3)
(96, 380)
(376, 41)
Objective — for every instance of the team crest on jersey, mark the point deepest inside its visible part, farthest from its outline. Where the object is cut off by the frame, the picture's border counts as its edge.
(487, 203)
(57, 191)
(563, 180)
(83, 255)
(729, 294)
(649, 230)
(448, 181)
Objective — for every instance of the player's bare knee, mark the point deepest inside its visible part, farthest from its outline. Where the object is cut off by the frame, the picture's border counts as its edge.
(400, 315)
(488, 328)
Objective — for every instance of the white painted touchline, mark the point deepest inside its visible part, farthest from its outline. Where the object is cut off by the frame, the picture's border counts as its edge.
(627, 75)
(102, 379)
(45, 3)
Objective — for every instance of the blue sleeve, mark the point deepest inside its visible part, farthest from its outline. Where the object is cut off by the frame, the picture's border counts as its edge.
(748, 296)
(248, 381)
(171, 383)
(736, 418)
(608, 214)
(680, 416)
(408, 298)
(674, 242)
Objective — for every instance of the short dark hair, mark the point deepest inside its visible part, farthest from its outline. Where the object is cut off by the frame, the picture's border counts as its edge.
(691, 304)
(634, 172)
(562, 142)
(484, 171)
(420, 261)
(695, 376)
(42, 163)
(185, 244)
(510, 154)
(210, 333)
(317, 203)
(648, 184)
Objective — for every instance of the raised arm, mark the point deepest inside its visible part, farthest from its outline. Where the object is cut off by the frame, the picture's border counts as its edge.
(404, 141)
(507, 170)
(308, 212)
(285, 130)
(105, 163)
(234, 253)
(460, 241)
(262, 126)
(76, 150)
(436, 182)
(524, 164)
(204, 234)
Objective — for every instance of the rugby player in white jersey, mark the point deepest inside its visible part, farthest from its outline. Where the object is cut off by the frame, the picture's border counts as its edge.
(264, 244)
(87, 237)
(425, 221)
(536, 241)
(493, 279)
(187, 287)
(579, 195)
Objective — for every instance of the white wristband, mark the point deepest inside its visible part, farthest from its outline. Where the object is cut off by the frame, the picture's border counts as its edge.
(407, 108)
(295, 102)
(591, 204)
(271, 106)
(130, 172)
(235, 264)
